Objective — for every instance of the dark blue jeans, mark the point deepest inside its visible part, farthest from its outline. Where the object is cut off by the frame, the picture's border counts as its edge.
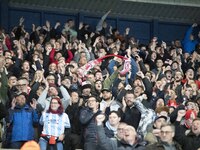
(17, 145)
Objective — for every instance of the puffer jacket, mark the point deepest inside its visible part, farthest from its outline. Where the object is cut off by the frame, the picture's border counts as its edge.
(22, 120)
(87, 119)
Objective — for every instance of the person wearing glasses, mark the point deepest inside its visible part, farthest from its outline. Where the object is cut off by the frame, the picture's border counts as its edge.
(128, 140)
(166, 142)
(56, 125)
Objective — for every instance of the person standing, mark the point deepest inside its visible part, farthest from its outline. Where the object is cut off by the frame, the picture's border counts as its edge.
(22, 118)
(167, 133)
(55, 125)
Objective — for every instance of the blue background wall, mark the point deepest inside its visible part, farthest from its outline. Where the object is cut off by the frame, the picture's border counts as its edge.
(143, 30)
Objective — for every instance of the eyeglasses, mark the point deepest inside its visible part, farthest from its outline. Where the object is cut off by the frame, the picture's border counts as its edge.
(129, 98)
(21, 84)
(54, 102)
(165, 132)
(50, 79)
(120, 129)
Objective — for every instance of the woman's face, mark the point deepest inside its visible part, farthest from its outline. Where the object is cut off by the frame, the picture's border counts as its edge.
(54, 104)
(160, 103)
(98, 85)
(114, 119)
(120, 85)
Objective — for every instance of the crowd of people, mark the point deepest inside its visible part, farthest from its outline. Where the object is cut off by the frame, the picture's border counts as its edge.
(69, 88)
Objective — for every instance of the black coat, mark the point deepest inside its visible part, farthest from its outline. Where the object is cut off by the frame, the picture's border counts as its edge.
(132, 116)
(3, 112)
(189, 141)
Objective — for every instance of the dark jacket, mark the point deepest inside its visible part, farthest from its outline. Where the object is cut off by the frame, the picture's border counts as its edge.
(114, 144)
(3, 112)
(160, 146)
(73, 112)
(189, 141)
(87, 119)
(131, 113)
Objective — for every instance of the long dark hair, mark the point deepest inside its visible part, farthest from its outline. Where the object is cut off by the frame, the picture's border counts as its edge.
(60, 109)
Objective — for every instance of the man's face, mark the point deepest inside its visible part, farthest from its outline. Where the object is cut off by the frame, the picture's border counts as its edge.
(129, 99)
(52, 68)
(120, 130)
(66, 82)
(107, 95)
(74, 97)
(22, 85)
(166, 134)
(168, 75)
(51, 79)
(21, 100)
(26, 66)
(99, 76)
(129, 135)
(12, 81)
(86, 91)
(159, 63)
(52, 91)
(178, 76)
(159, 122)
(92, 103)
(190, 74)
(138, 90)
(196, 127)
(9, 62)
(190, 105)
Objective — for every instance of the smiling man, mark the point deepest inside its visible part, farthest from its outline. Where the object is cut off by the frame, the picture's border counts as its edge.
(128, 142)
(166, 141)
(191, 141)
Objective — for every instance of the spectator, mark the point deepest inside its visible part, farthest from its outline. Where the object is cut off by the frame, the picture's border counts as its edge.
(87, 119)
(167, 133)
(153, 130)
(108, 104)
(189, 42)
(130, 110)
(192, 137)
(52, 90)
(55, 125)
(130, 140)
(74, 140)
(21, 118)
(112, 124)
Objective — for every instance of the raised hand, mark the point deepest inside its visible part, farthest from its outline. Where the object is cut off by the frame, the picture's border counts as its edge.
(21, 20)
(13, 104)
(100, 118)
(33, 104)
(180, 115)
(194, 25)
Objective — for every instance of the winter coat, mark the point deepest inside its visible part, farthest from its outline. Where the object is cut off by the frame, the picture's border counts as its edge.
(160, 146)
(189, 141)
(22, 120)
(114, 144)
